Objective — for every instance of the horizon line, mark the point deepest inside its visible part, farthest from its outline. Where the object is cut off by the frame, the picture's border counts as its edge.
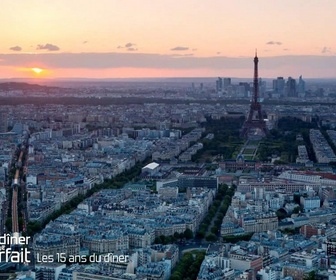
(146, 78)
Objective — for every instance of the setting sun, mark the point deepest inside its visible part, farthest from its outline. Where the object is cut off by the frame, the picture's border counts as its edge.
(37, 70)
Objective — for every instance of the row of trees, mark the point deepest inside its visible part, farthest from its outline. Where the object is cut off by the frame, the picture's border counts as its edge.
(327, 137)
(214, 217)
(187, 234)
(21, 198)
(218, 209)
(189, 265)
(237, 238)
(226, 202)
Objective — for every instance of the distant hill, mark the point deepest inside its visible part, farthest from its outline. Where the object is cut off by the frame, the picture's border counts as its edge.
(10, 86)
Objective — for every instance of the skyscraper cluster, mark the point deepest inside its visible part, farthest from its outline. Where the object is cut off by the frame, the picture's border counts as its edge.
(289, 88)
(222, 84)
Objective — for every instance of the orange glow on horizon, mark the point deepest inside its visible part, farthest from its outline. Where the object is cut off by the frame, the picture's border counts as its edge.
(37, 70)
(30, 72)
(130, 72)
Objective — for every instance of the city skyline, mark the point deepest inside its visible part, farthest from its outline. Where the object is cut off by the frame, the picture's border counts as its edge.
(113, 39)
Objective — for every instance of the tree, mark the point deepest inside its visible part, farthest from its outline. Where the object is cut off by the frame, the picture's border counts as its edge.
(281, 214)
(211, 237)
(297, 210)
(214, 230)
(9, 224)
(236, 238)
(157, 240)
(188, 234)
(200, 234)
(310, 276)
(188, 266)
(176, 276)
(177, 235)
(163, 239)
(297, 198)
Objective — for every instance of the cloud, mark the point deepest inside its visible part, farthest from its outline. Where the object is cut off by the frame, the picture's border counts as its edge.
(218, 53)
(121, 59)
(16, 49)
(84, 42)
(273, 43)
(326, 50)
(179, 48)
(130, 45)
(48, 47)
(292, 65)
(312, 66)
(286, 49)
(194, 50)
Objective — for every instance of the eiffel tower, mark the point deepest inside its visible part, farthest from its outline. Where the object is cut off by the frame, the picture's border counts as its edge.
(255, 121)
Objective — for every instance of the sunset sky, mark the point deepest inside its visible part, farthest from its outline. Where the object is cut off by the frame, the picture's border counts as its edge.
(167, 38)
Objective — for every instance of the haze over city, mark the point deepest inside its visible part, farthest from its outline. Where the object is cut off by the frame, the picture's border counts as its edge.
(190, 38)
(168, 140)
